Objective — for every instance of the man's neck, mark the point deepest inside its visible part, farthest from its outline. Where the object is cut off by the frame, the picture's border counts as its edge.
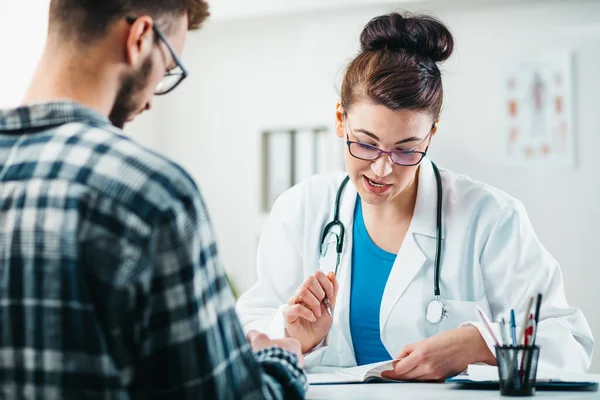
(60, 76)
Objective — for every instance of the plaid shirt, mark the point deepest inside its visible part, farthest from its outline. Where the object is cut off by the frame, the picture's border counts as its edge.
(110, 284)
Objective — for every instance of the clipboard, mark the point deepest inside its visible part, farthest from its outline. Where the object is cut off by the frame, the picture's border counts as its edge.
(550, 385)
(486, 377)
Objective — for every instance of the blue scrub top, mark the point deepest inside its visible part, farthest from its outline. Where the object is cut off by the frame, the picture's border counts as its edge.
(371, 268)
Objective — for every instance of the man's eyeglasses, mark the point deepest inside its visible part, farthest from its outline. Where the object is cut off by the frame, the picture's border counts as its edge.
(367, 152)
(175, 75)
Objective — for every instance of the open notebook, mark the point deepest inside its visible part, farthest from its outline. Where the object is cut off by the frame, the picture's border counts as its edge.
(361, 374)
(486, 375)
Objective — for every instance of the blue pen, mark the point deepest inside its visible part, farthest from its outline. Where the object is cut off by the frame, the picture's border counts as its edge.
(513, 334)
(513, 327)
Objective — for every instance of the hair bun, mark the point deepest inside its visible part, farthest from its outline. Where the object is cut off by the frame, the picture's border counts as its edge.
(421, 35)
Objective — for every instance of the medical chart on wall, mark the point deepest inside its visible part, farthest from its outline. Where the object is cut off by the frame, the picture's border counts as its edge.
(539, 111)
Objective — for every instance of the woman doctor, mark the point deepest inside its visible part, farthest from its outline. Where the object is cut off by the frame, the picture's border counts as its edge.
(383, 292)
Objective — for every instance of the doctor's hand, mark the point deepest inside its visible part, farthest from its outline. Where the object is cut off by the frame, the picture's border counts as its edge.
(306, 317)
(259, 341)
(441, 356)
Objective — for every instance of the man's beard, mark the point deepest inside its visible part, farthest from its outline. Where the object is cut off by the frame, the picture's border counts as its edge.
(131, 87)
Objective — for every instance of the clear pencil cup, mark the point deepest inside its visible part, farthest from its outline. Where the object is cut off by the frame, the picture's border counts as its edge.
(517, 369)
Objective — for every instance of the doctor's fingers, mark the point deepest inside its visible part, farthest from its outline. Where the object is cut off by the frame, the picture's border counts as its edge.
(293, 312)
(407, 350)
(407, 365)
(304, 295)
(417, 374)
(391, 374)
(326, 284)
(313, 284)
(423, 370)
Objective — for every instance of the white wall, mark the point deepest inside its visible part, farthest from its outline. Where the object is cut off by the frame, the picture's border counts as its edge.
(23, 26)
(228, 10)
(271, 72)
(22, 44)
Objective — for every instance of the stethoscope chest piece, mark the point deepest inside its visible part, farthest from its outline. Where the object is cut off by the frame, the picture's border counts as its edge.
(436, 311)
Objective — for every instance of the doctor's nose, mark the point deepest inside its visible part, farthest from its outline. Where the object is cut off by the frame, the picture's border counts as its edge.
(382, 167)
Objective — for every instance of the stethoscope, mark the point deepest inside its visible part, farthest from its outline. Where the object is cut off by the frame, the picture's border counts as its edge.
(436, 310)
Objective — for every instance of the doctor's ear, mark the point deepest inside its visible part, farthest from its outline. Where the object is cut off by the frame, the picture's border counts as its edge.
(340, 113)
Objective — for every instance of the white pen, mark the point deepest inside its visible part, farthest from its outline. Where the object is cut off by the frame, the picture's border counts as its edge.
(488, 325)
(503, 331)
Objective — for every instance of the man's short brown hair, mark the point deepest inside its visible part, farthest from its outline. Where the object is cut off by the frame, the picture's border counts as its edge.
(87, 20)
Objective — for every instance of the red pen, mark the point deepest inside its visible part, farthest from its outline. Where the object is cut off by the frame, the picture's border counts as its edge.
(527, 339)
(529, 331)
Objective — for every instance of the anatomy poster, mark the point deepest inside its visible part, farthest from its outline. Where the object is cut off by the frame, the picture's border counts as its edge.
(539, 111)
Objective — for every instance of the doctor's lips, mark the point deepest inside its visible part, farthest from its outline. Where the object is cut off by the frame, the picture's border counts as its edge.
(376, 186)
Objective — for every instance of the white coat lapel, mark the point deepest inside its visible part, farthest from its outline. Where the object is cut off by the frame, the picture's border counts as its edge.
(412, 256)
(409, 261)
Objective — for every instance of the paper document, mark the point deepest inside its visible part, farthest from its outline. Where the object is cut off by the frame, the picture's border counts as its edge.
(360, 374)
(486, 373)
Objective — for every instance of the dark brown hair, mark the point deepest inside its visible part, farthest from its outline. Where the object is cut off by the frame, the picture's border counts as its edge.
(87, 20)
(397, 65)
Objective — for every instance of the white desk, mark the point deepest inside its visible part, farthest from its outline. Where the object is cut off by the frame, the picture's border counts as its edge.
(422, 391)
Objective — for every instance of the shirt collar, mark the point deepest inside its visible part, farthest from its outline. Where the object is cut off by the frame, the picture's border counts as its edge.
(45, 115)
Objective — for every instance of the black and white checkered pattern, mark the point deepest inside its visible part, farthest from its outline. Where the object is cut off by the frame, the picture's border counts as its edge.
(110, 283)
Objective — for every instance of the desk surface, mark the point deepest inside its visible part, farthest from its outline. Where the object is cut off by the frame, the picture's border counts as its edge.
(422, 391)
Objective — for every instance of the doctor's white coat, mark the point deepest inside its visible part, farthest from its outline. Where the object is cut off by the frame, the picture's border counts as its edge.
(491, 258)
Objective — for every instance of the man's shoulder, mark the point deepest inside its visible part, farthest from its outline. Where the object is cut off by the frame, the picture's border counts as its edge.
(120, 167)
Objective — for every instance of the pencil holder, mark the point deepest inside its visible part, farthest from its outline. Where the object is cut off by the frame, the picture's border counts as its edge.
(517, 369)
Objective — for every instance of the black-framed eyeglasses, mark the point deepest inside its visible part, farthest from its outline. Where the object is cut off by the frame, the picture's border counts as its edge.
(405, 158)
(173, 76)
(366, 152)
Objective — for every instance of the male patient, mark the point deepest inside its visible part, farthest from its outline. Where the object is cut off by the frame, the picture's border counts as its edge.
(110, 283)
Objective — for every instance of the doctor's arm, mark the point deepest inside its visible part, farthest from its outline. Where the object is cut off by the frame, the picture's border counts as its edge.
(516, 266)
(285, 302)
